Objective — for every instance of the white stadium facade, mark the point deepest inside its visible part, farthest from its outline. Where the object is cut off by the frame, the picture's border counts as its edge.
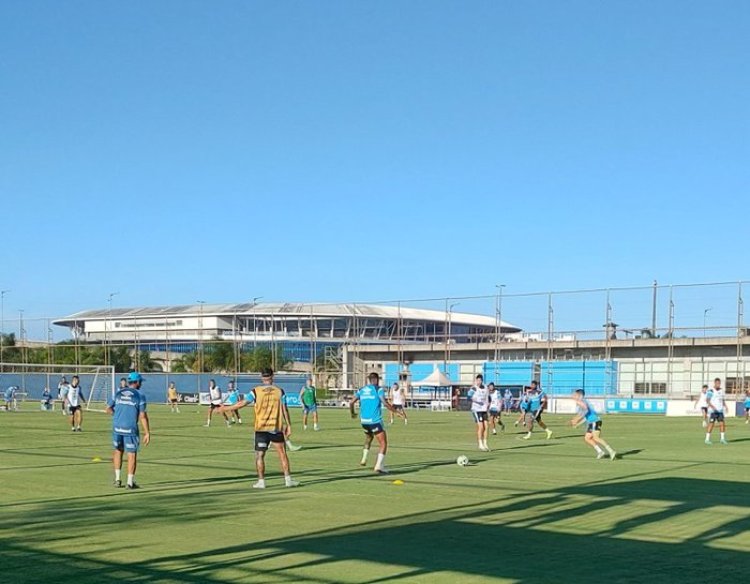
(301, 330)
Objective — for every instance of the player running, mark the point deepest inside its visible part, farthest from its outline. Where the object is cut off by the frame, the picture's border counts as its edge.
(716, 403)
(593, 436)
(128, 407)
(398, 400)
(173, 398)
(372, 399)
(309, 402)
(702, 404)
(272, 426)
(496, 407)
(74, 399)
(233, 397)
(480, 403)
(215, 402)
(537, 405)
(747, 406)
(523, 406)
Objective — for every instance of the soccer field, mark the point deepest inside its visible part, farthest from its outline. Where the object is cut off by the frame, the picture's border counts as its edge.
(671, 510)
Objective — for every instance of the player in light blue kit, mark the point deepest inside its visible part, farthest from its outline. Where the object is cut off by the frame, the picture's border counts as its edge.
(537, 405)
(747, 406)
(372, 399)
(128, 407)
(233, 397)
(593, 435)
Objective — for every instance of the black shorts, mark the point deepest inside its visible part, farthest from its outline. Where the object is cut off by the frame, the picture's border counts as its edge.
(73, 409)
(173, 401)
(479, 417)
(264, 439)
(398, 407)
(494, 413)
(704, 410)
(373, 429)
(214, 406)
(594, 427)
(716, 417)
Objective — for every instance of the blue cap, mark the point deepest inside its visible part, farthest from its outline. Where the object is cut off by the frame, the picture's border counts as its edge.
(134, 377)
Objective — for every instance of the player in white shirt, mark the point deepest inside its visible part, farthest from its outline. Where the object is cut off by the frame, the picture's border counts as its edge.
(62, 391)
(496, 407)
(215, 402)
(716, 404)
(74, 399)
(702, 403)
(398, 400)
(480, 403)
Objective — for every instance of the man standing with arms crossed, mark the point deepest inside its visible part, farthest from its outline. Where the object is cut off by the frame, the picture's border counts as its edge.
(128, 407)
(272, 426)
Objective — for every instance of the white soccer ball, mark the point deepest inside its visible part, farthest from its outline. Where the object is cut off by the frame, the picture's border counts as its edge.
(462, 460)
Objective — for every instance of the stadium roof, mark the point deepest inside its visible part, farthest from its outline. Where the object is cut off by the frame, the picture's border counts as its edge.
(285, 309)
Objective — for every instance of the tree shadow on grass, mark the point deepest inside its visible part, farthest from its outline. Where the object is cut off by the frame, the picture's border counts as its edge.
(624, 544)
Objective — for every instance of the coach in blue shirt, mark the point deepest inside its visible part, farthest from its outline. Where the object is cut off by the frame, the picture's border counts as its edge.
(128, 407)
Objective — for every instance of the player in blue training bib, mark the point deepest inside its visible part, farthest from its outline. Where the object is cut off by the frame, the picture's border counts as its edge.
(372, 400)
(593, 435)
(537, 403)
(128, 408)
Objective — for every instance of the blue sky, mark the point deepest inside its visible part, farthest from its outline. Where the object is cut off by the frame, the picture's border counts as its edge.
(327, 151)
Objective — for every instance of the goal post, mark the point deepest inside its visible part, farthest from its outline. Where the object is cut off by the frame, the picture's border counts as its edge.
(31, 379)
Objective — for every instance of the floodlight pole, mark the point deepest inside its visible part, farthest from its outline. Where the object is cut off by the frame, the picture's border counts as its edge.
(200, 340)
(2, 326)
(107, 325)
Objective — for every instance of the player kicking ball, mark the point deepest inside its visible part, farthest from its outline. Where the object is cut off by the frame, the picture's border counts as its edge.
(593, 435)
(715, 400)
(372, 399)
(273, 426)
(127, 408)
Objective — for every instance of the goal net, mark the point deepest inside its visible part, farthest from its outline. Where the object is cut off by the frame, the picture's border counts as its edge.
(32, 379)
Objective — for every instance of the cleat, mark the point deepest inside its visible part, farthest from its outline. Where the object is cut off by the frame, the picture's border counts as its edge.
(259, 485)
(117, 484)
(527, 436)
(382, 471)
(515, 424)
(613, 455)
(206, 425)
(708, 442)
(290, 483)
(600, 455)
(316, 428)
(133, 487)
(723, 441)
(494, 432)
(549, 434)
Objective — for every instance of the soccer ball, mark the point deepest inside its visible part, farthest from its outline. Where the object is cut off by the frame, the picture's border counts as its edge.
(462, 460)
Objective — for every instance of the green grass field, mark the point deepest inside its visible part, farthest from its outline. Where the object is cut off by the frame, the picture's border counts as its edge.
(671, 510)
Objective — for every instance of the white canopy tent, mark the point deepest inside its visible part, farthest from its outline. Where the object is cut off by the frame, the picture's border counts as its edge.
(435, 379)
(441, 389)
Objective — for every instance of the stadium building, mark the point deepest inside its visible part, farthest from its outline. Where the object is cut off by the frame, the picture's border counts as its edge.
(301, 330)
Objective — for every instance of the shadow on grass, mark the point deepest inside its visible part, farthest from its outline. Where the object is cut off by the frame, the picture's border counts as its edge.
(612, 531)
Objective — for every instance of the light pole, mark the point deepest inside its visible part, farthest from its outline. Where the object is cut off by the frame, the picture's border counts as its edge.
(498, 326)
(200, 339)
(21, 333)
(450, 322)
(107, 325)
(2, 324)
(255, 326)
(705, 314)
